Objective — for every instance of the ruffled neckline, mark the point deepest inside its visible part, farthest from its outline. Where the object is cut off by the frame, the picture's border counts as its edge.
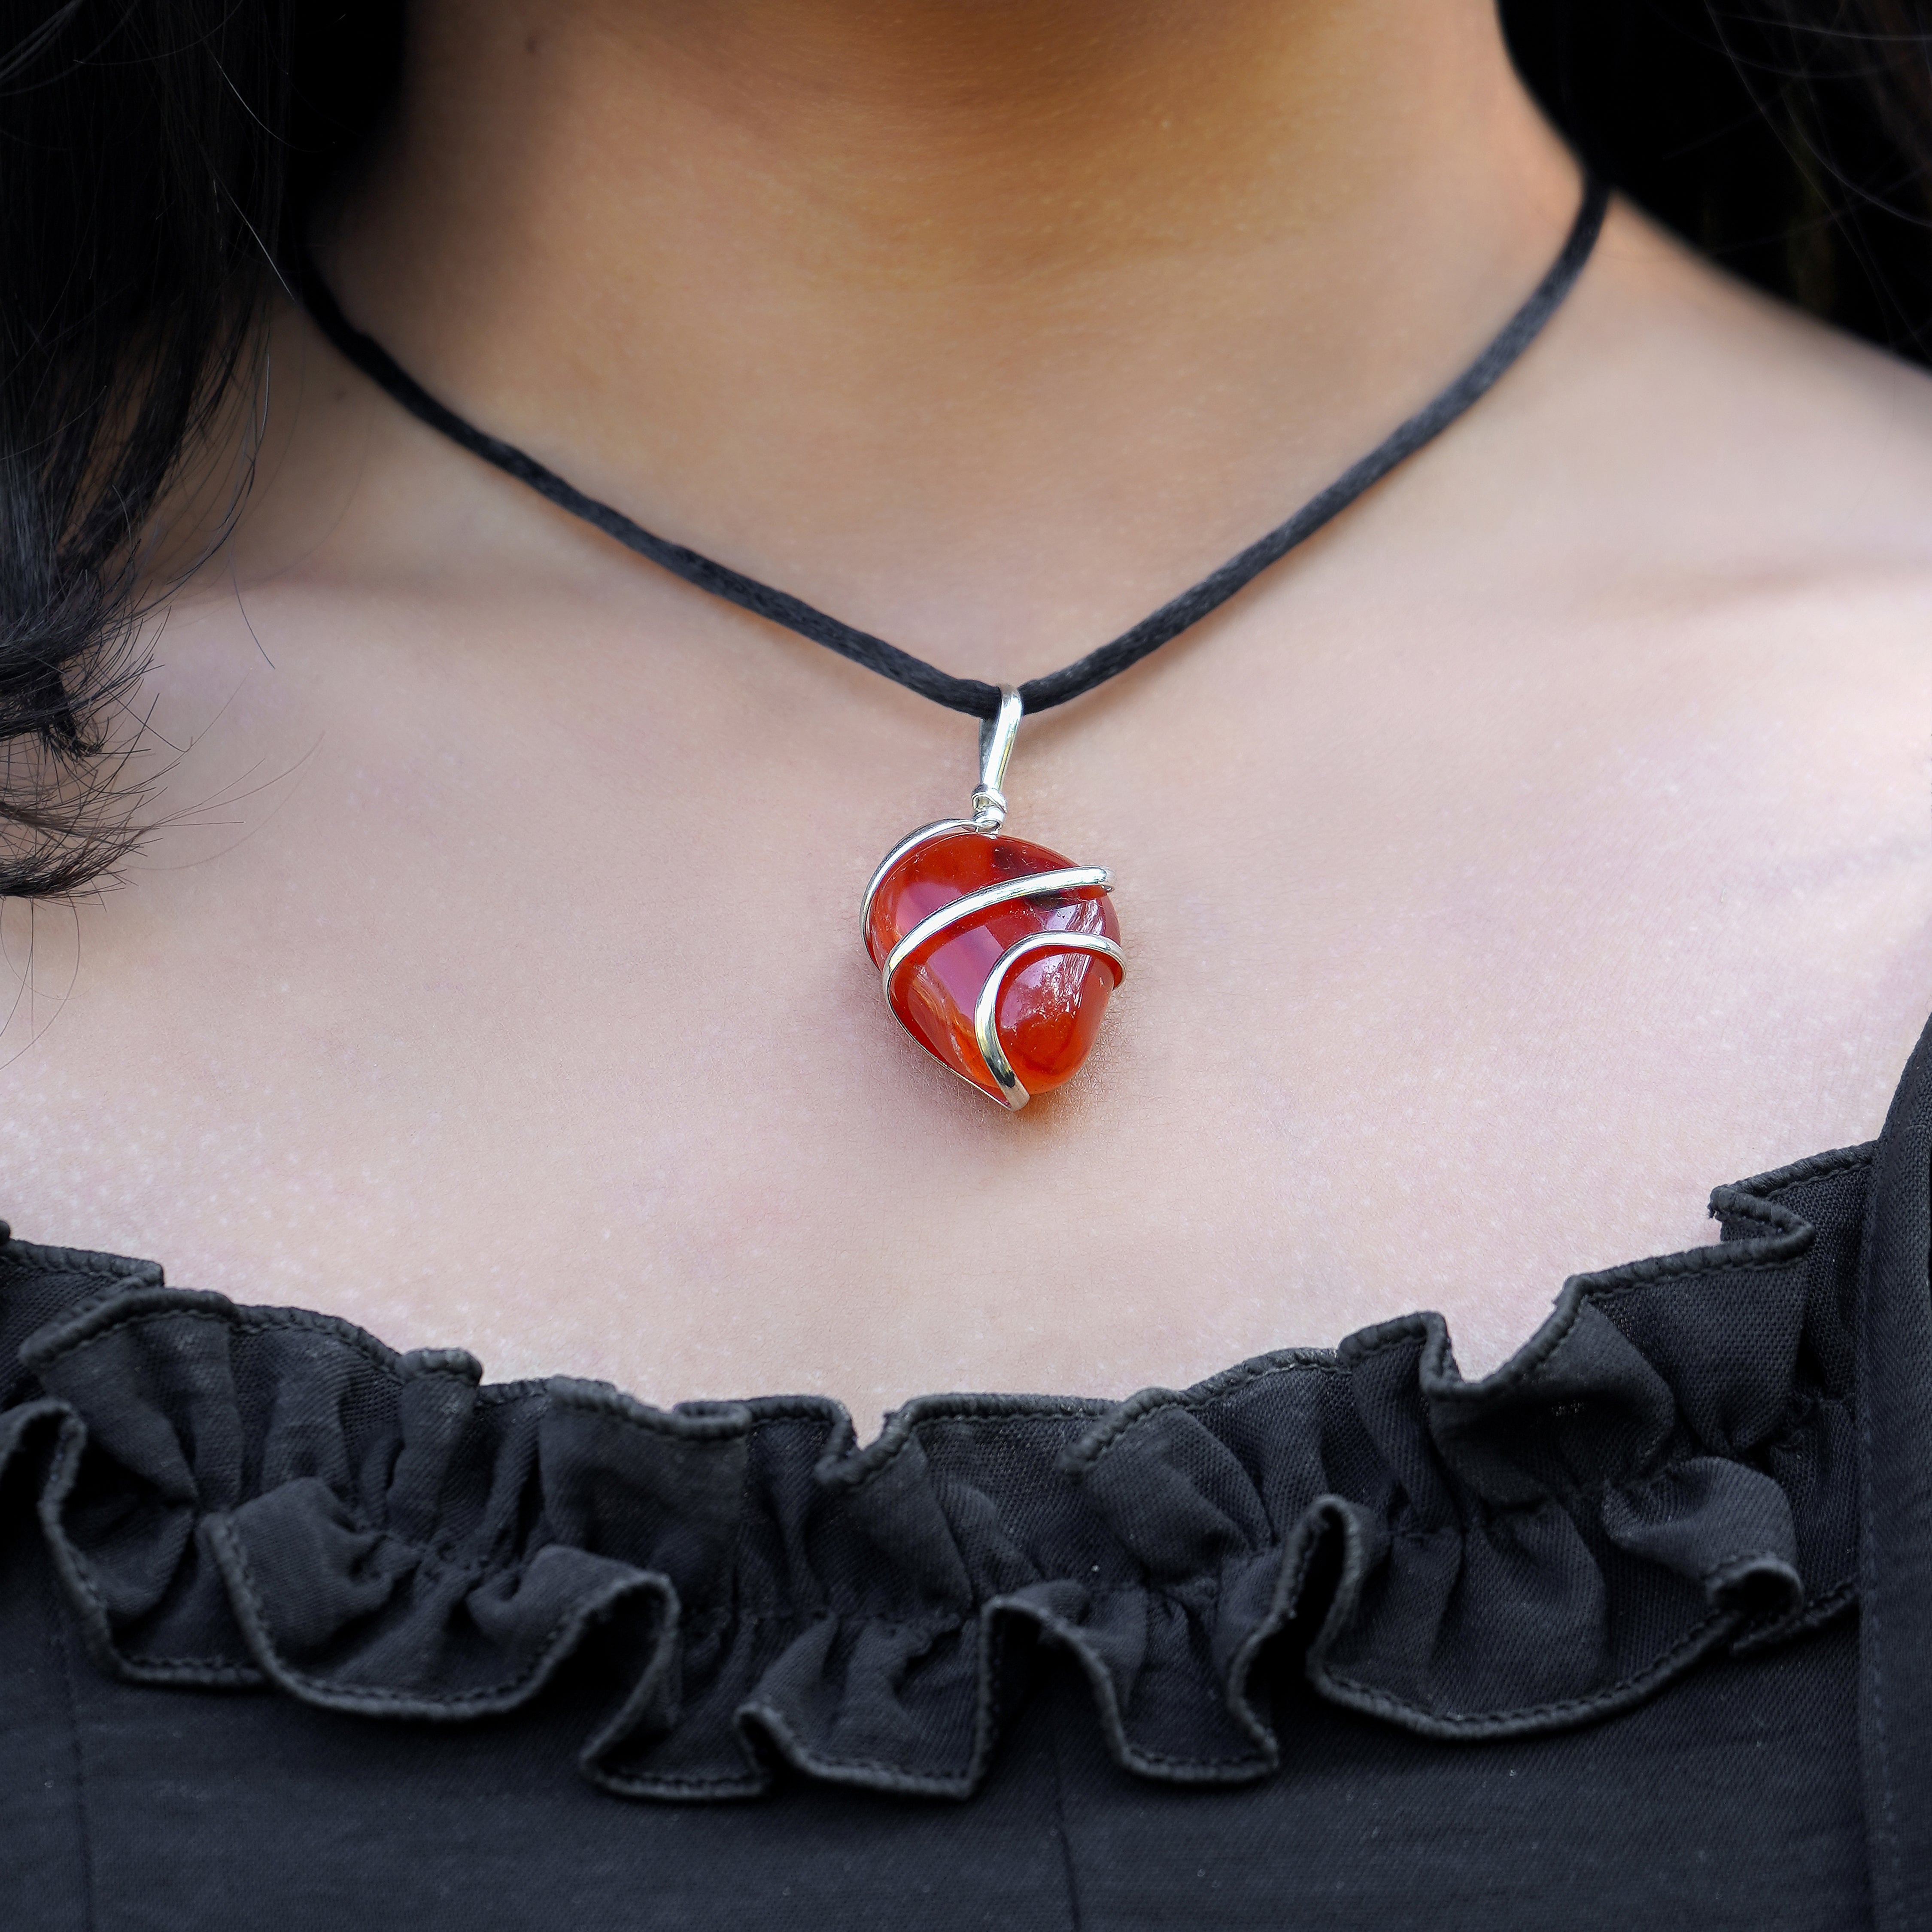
(235, 1495)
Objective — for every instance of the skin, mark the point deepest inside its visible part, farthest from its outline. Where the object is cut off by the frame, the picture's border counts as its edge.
(1546, 842)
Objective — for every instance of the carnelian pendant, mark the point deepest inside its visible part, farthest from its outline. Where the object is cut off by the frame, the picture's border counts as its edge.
(996, 955)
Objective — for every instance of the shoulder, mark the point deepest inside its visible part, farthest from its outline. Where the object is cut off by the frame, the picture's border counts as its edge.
(1701, 519)
(1687, 432)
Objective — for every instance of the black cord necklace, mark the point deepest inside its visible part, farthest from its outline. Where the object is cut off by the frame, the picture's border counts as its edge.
(997, 955)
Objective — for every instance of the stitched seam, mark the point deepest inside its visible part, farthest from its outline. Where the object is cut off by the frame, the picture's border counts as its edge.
(961, 1780)
(83, 1823)
(375, 1694)
(1887, 1822)
(1779, 1181)
(1315, 1361)
(676, 1426)
(703, 1621)
(31, 1258)
(384, 1359)
(377, 1697)
(678, 1423)
(491, 1395)
(1624, 1291)
(814, 1760)
(147, 1660)
(1767, 1633)
(774, 1721)
(1740, 1560)
(1832, 1601)
(1686, 1647)
(616, 1406)
(1522, 1367)
(1727, 1256)
(436, 1561)
(749, 1783)
(1088, 1450)
(74, 1569)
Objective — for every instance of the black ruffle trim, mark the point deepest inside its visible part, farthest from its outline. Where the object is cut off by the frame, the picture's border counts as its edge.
(238, 1496)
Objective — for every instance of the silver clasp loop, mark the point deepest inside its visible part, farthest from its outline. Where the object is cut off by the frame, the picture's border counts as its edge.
(997, 734)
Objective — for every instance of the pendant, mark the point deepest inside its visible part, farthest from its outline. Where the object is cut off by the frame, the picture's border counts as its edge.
(996, 955)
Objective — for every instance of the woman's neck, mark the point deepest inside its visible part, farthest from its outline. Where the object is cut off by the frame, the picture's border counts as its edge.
(977, 323)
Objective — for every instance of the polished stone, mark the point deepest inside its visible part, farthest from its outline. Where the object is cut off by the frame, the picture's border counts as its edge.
(1050, 1009)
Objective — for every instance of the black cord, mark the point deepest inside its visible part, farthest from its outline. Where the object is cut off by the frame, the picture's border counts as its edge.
(972, 694)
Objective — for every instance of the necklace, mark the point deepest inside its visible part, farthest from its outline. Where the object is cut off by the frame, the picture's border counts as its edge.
(997, 955)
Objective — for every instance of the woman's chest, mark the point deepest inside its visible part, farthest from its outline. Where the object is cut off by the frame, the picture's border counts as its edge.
(536, 1020)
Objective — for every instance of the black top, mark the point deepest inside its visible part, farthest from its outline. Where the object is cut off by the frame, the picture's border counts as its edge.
(1636, 1631)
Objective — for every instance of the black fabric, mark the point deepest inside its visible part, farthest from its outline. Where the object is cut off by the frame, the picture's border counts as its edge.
(238, 1496)
(294, 1627)
(1895, 1428)
(1730, 1805)
(971, 694)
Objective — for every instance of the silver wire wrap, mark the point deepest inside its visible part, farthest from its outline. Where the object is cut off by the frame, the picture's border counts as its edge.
(988, 810)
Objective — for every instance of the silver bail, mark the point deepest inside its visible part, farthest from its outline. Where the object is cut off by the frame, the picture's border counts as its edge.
(997, 734)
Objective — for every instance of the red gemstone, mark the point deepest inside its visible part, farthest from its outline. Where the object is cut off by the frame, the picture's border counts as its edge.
(1051, 1005)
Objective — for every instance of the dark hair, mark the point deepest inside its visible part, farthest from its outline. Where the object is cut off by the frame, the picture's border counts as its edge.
(157, 154)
